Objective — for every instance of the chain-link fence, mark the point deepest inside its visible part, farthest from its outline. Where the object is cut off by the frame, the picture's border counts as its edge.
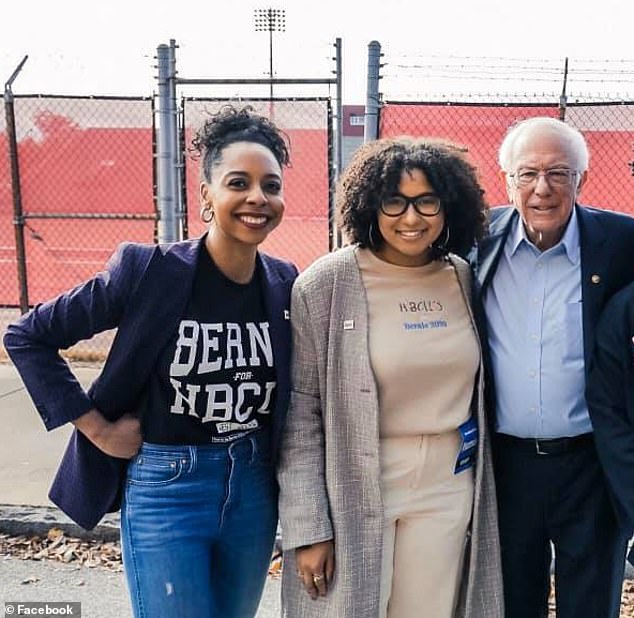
(304, 232)
(609, 131)
(87, 175)
(87, 183)
(86, 179)
(607, 127)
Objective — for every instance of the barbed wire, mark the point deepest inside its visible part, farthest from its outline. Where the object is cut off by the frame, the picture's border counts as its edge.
(485, 67)
(486, 98)
(520, 71)
(468, 75)
(495, 98)
(409, 54)
(506, 78)
(543, 60)
(572, 71)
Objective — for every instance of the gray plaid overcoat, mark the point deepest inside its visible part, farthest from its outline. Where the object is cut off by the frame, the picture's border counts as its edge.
(329, 464)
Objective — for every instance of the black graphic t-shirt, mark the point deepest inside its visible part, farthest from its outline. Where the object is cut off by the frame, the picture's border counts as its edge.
(215, 380)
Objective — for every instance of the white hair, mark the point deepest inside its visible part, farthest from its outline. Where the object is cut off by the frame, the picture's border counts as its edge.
(574, 138)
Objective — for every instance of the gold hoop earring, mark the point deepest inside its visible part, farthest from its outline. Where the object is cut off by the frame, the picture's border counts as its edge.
(206, 213)
(442, 244)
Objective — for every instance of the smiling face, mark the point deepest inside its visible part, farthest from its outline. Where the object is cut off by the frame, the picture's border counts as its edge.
(245, 193)
(544, 206)
(407, 238)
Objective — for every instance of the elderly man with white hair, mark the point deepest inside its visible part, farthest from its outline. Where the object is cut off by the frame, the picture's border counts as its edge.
(546, 270)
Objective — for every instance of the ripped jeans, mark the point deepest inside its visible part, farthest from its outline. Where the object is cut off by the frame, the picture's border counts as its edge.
(197, 528)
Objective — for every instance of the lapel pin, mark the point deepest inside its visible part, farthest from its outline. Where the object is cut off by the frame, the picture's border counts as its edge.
(595, 279)
(287, 314)
(348, 324)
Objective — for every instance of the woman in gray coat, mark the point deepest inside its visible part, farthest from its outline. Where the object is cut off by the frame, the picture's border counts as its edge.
(387, 500)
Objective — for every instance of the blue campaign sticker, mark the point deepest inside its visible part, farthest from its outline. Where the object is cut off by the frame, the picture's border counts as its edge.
(468, 447)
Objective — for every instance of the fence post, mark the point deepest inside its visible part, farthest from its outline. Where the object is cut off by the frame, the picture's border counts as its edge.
(335, 234)
(339, 110)
(563, 99)
(182, 171)
(332, 240)
(371, 127)
(18, 217)
(167, 155)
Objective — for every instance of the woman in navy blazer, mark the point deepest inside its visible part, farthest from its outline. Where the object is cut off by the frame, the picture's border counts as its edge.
(181, 428)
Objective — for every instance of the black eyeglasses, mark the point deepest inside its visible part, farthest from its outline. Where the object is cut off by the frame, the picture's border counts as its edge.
(425, 204)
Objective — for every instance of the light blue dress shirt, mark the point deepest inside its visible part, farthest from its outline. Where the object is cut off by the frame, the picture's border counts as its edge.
(534, 311)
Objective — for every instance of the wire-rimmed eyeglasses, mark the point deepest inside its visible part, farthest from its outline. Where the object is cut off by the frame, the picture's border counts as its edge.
(425, 204)
(555, 177)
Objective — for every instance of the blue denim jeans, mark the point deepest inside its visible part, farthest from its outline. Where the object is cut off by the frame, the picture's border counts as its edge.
(197, 528)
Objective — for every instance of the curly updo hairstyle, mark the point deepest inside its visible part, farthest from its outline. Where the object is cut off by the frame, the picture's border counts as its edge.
(375, 172)
(231, 125)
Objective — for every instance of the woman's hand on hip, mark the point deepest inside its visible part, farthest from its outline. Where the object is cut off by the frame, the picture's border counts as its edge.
(316, 567)
(121, 438)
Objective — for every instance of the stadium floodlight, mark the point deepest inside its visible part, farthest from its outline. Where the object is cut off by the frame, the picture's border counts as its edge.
(270, 20)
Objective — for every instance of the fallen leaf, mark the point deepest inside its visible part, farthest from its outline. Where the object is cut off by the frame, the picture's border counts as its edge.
(30, 580)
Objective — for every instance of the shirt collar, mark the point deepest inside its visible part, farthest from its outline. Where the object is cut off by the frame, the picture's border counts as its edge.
(569, 241)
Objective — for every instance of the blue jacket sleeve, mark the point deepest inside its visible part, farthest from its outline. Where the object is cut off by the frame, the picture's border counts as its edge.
(607, 397)
(34, 341)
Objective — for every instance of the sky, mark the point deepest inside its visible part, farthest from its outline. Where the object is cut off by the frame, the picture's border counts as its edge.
(108, 48)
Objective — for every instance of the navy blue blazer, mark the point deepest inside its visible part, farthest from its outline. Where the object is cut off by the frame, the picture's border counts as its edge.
(610, 396)
(142, 292)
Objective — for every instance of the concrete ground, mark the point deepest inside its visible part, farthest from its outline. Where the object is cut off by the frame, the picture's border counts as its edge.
(28, 453)
(102, 593)
(28, 459)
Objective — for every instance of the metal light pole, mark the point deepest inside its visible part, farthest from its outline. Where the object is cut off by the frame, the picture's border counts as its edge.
(270, 20)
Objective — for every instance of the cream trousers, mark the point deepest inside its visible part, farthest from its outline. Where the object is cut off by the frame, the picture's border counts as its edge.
(427, 514)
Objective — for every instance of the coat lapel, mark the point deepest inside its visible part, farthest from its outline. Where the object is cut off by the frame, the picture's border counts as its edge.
(490, 248)
(276, 301)
(594, 273)
(354, 305)
(162, 297)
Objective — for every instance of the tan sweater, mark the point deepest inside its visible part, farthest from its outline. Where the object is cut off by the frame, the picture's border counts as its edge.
(423, 350)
